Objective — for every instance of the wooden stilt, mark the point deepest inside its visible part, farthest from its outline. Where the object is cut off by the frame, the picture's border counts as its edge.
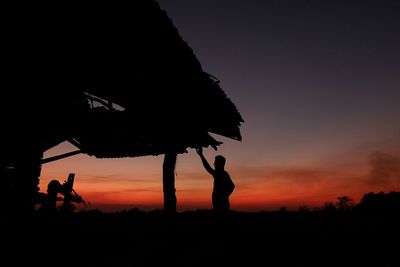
(169, 183)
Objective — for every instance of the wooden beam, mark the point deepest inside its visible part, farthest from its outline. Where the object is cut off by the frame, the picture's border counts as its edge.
(65, 155)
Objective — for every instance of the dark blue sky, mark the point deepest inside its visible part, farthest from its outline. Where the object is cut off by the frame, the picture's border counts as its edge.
(316, 75)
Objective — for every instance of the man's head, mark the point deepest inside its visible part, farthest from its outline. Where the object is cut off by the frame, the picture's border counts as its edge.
(219, 162)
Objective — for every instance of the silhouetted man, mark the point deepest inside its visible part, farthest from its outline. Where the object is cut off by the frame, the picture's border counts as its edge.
(223, 185)
(53, 188)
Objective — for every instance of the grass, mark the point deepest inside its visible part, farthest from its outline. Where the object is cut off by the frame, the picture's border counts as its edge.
(196, 238)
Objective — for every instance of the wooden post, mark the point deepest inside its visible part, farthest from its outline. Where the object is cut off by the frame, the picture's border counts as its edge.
(22, 173)
(169, 183)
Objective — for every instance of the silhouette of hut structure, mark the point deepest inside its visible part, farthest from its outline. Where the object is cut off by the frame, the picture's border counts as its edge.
(112, 79)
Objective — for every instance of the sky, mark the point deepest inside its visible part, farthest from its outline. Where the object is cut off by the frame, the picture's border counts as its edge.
(318, 86)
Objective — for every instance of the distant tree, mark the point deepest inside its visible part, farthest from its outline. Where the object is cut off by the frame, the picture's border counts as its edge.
(380, 202)
(393, 200)
(344, 203)
(304, 208)
(329, 207)
(283, 209)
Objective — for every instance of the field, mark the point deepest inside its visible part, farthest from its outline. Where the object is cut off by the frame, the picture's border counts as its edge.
(196, 238)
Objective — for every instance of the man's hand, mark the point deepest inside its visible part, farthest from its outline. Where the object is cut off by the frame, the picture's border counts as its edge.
(206, 165)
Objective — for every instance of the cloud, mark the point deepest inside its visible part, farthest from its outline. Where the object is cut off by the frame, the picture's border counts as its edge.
(385, 168)
(117, 179)
(301, 175)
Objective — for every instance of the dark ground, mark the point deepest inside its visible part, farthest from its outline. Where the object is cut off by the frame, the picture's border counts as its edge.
(137, 238)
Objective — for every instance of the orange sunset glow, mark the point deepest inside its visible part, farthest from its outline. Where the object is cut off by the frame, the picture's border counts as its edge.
(117, 184)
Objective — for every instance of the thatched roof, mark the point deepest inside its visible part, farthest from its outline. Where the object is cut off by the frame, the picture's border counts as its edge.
(130, 55)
